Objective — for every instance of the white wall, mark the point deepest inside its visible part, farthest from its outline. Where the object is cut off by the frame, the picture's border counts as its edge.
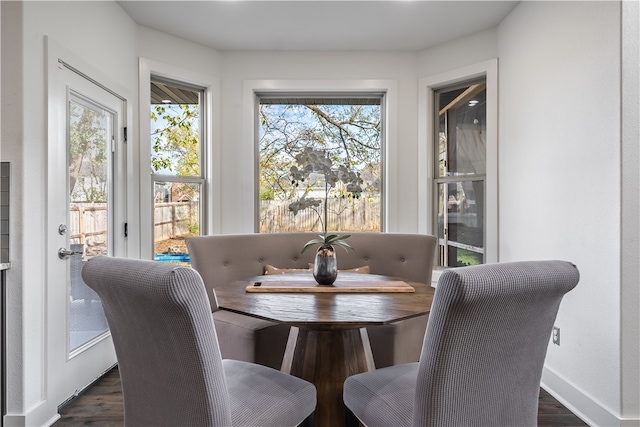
(177, 52)
(630, 291)
(100, 33)
(560, 182)
(459, 53)
(560, 168)
(175, 58)
(451, 63)
(238, 151)
(12, 112)
(563, 185)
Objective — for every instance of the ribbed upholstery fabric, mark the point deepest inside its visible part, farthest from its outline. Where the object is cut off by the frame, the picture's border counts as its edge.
(482, 355)
(264, 397)
(168, 355)
(225, 258)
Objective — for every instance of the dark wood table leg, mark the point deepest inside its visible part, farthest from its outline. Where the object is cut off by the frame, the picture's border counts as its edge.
(326, 358)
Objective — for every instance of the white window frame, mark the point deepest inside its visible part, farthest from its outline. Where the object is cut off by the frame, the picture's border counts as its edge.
(210, 161)
(426, 149)
(389, 198)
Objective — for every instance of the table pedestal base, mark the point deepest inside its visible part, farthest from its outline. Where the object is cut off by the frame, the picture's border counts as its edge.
(326, 358)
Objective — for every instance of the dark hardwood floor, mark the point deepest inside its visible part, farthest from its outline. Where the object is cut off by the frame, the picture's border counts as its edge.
(101, 406)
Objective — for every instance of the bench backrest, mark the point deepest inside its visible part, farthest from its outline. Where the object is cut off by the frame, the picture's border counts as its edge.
(224, 258)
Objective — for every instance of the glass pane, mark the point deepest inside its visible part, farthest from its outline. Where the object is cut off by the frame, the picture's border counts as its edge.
(176, 217)
(460, 223)
(462, 131)
(347, 133)
(442, 146)
(175, 130)
(90, 133)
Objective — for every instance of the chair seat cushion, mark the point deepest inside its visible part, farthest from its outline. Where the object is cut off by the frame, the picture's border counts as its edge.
(384, 396)
(262, 397)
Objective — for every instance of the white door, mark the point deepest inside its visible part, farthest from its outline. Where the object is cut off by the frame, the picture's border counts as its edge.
(85, 219)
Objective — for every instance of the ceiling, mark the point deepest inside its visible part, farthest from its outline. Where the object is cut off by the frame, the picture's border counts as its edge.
(327, 25)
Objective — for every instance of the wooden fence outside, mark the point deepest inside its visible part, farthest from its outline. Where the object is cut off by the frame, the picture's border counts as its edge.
(88, 222)
(175, 219)
(363, 214)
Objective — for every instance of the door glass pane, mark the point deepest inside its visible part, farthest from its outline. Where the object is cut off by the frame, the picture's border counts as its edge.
(90, 136)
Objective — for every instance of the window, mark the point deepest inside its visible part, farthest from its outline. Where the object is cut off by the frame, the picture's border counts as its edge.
(348, 129)
(460, 170)
(176, 166)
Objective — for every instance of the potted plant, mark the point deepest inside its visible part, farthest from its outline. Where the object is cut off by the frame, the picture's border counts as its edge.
(310, 161)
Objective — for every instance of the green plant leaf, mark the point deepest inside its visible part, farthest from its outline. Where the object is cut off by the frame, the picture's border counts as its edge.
(336, 238)
(344, 244)
(332, 239)
(311, 243)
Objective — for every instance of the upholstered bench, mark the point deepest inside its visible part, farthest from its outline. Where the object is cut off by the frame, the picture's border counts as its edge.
(225, 258)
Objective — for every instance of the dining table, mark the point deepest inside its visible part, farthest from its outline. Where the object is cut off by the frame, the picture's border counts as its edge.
(328, 338)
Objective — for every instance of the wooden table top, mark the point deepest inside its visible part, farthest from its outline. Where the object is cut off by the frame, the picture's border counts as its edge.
(304, 282)
(327, 310)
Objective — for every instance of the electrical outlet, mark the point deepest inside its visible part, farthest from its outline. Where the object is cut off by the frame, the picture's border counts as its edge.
(556, 335)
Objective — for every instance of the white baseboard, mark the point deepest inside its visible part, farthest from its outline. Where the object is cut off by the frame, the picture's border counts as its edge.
(39, 415)
(21, 421)
(585, 407)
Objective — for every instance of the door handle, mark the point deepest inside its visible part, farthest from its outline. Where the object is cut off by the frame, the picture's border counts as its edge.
(64, 253)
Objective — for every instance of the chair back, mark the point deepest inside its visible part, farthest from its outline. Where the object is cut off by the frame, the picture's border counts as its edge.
(486, 342)
(168, 355)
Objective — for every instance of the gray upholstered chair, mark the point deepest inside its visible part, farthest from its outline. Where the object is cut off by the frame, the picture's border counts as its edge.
(482, 355)
(170, 365)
